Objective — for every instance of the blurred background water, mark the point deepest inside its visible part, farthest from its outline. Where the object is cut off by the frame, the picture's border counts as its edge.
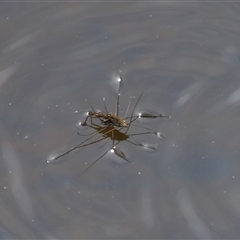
(57, 58)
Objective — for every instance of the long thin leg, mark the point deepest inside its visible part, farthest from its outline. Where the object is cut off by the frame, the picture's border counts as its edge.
(111, 130)
(146, 115)
(103, 144)
(112, 139)
(115, 151)
(72, 149)
(137, 134)
(87, 134)
(118, 94)
(127, 110)
(84, 123)
(133, 112)
(135, 125)
(95, 161)
(134, 119)
(94, 111)
(82, 143)
(105, 105)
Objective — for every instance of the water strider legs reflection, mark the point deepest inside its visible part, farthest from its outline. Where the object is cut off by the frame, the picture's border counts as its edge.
(115, 129)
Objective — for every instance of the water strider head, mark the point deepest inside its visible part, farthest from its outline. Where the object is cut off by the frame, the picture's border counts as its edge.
(97, 114)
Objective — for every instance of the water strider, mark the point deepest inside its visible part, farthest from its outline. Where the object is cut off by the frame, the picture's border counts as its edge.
(115, 128)
(110, 119)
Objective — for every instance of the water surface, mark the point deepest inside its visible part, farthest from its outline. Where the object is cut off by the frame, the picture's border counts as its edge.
(59, 58)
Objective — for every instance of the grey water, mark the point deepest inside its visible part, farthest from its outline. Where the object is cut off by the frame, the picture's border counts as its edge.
(60, 58)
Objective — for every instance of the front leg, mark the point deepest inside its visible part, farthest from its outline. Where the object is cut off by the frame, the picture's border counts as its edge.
(84, 123)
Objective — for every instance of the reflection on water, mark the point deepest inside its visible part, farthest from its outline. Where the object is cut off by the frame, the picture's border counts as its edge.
(57, 59)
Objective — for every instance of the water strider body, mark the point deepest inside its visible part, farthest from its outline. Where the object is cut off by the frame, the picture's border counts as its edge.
(108, 119)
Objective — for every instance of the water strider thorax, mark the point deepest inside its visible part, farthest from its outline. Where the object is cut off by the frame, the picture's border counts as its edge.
(108, 119)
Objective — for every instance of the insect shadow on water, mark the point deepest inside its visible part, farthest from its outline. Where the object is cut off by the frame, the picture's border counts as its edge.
(114, 128)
